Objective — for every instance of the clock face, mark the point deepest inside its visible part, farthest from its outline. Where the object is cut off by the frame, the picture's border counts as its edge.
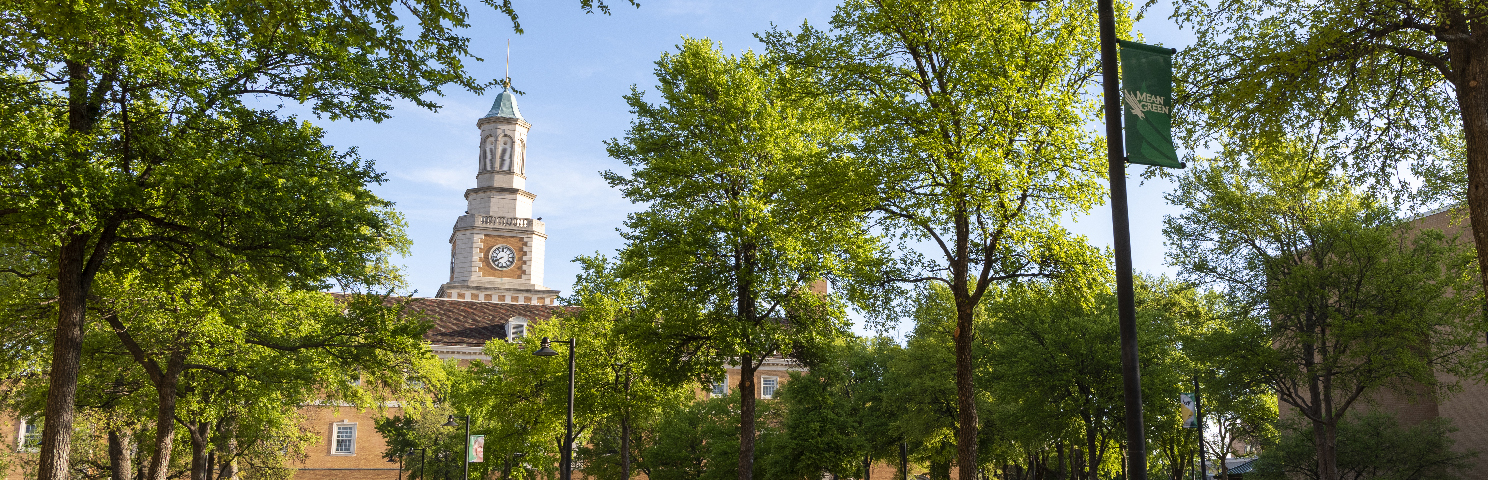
(502, 257)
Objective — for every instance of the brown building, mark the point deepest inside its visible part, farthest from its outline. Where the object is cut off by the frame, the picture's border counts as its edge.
(1467, 409)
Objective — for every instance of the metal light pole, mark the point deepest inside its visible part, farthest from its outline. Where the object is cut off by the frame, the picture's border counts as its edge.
(565, 470)
(903, 460)
(466, 458)
(1126, 307)
(1199, 419)
(423, 452)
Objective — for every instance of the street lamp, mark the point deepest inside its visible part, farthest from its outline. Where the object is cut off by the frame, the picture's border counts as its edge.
(565, 473)
(422, 453)
(451, 423)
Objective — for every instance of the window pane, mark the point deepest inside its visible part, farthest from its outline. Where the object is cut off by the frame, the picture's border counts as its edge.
(767, 387)
(345, 439)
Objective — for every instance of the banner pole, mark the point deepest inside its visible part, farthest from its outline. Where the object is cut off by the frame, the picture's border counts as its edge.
(1121, 225)
(1199, 415)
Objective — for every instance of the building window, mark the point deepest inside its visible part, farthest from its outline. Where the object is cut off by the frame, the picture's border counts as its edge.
(506, 154)
(343, 440)
(768, 386)
(516, 328)
(720, 389)
(30, 435)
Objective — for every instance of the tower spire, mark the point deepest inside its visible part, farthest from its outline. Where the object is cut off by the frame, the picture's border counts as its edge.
(508, 63)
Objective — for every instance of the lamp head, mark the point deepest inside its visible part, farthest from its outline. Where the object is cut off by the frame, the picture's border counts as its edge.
(546, 350)
(451, 422)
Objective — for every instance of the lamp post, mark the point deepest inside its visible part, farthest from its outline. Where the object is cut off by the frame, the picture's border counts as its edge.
(564, 473)
(422, 453)
(451, 423)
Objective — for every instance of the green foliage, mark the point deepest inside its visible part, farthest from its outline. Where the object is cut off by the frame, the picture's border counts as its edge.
(1371, 446)
(750, 203)
(699, 441)
(1378, 84)
(1328, 288)
(519, 400)
(974, 116)
(835, 416)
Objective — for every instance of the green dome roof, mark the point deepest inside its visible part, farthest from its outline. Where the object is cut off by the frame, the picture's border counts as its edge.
(505, 106)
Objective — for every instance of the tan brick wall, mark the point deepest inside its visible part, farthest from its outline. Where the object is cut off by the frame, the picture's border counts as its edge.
(517, 244)
(365, 463)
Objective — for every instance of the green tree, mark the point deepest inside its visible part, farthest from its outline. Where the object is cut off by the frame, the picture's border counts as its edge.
(1374, 446)
(132, 137)
(1336, 298)
(698, 441)
(749, 204)
(974, 114)
(835, 418)
(520, 400)
(234, 362)
(1387, 84)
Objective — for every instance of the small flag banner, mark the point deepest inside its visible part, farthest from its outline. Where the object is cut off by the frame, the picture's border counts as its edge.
(1188, 410)
(1146, 95)
(477, 449)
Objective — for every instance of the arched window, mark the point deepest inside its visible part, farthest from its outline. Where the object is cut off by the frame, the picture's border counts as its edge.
(521, 157)
(506, 154)
(488, 153)
(516, 328)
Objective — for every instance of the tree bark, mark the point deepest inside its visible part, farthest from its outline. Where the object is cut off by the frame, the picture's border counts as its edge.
(625, 432)
(165, 417)
(1472, 101)
(67, 349)
(200, 436)
(966, 421)
(746, 417)
(121, 458)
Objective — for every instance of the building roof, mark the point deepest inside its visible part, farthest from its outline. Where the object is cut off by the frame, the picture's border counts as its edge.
(469, 322)
(505, 106)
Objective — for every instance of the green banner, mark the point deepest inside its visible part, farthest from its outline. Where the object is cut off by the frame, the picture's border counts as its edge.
(1146, 97)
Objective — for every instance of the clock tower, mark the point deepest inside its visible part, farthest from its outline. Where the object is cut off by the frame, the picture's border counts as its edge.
(496, 250)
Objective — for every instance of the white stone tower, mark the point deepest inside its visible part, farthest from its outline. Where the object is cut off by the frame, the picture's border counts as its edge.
(497, 247)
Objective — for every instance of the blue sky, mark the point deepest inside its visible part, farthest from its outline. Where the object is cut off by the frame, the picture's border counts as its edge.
(574, 69)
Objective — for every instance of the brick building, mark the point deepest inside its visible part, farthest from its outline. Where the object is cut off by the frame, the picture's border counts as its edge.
(1467, 409)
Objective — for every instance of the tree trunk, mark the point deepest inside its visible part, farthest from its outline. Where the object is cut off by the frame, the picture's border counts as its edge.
(966, 415)
(1472, 101)
(165, 417)
(200, 434)
(746, 417)
(67, 351)
(625, 436)
(1325, 436)
(121, 458)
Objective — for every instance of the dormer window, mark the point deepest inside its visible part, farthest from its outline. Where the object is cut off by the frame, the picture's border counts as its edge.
(516, 328)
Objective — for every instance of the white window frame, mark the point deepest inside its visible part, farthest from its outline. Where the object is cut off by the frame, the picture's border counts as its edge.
(21, 435)
(773, 383)
(723, 385)
(512, 334)
(335, 437)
